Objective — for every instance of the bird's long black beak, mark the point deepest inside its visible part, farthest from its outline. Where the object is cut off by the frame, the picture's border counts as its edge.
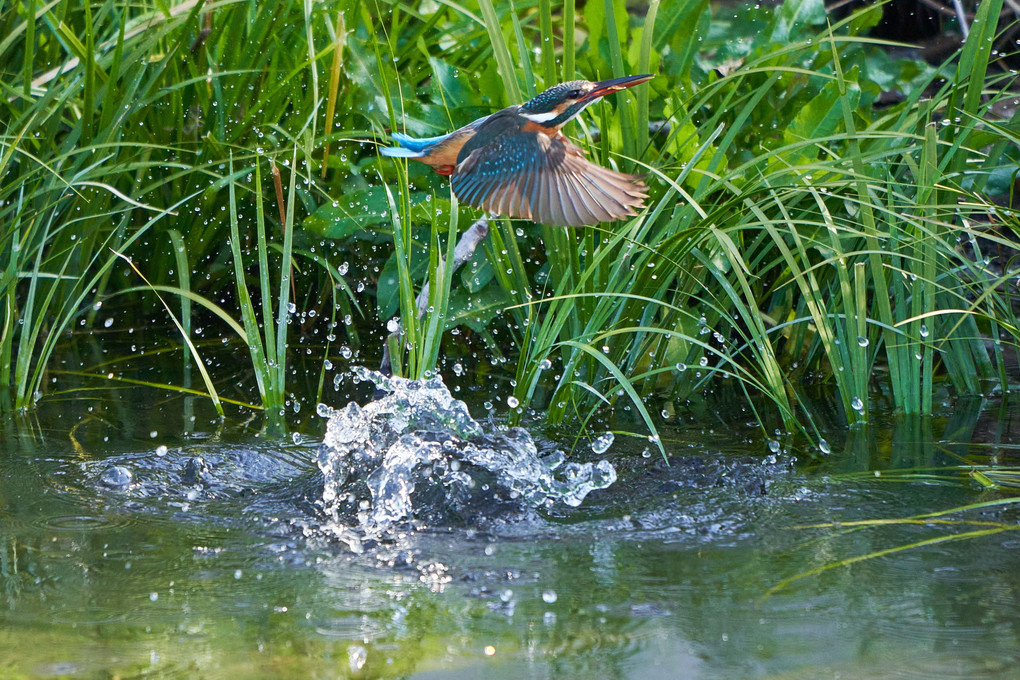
(604, 87)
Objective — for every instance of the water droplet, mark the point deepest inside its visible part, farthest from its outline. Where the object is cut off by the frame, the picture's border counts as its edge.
(356, 657)
(116, 477)
(602, 443)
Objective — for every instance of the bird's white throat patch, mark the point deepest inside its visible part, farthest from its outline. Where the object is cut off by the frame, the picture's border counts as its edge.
(549, 115)
(541, 117)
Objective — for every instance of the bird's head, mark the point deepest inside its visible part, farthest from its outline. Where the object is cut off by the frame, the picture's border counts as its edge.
(557, 105)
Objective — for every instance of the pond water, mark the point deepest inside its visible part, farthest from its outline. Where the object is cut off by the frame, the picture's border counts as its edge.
(142, 536)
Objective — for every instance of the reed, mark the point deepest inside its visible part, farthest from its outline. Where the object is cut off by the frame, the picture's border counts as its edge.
(795, 236)
(831, 253)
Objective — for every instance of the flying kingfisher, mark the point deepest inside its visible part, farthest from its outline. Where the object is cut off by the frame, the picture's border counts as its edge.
(516, 162)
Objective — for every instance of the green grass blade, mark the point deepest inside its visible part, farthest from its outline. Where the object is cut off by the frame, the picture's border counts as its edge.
(523, 53)
(503, 60)
(245, 306)
(625, 385)
(210, 388)
(546, 36)
(569, 17)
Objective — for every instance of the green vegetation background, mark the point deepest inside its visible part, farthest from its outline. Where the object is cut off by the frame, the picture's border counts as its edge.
(220, 155)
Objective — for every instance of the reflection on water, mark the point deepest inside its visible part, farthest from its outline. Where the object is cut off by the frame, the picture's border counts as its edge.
(211, 562)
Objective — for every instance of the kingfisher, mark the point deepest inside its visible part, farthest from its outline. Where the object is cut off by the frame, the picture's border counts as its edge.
(517, 163)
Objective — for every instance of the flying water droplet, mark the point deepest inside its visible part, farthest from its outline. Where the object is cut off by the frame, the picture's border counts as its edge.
(356, 658)
(415, 451)
(602, 443)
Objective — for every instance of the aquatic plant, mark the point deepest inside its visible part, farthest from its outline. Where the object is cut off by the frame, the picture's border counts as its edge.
(827, 244)
(797, 234)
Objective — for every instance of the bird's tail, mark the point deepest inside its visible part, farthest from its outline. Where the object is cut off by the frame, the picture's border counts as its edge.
(400, 152)
(411, 147)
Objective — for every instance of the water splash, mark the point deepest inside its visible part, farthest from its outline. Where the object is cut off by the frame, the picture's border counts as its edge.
(415, 454)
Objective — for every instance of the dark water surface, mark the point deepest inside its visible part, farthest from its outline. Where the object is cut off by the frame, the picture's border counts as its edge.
(221, 567)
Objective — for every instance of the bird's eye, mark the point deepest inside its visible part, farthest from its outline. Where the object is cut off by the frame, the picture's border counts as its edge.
(575, 94)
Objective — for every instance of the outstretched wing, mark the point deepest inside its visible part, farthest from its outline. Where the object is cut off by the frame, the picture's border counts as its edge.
(544, 179)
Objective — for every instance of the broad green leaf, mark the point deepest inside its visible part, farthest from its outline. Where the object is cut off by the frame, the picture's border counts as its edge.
(447, 87)
(595, 18)
(476, 272)
(476, 309)
(357, 211)
(794, 17)
(677, 23)
(865, 18)
(821, 117)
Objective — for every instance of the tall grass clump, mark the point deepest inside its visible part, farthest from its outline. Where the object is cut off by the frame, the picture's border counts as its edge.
(799, 236)
(120, 121)
(798, 232)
